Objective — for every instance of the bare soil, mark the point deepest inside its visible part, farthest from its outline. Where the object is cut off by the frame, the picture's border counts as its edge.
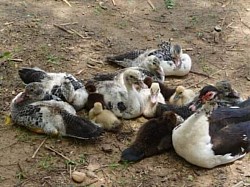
(94, 30)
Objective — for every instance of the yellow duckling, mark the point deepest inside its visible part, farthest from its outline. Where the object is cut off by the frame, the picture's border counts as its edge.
(182, 96)
(104, 118)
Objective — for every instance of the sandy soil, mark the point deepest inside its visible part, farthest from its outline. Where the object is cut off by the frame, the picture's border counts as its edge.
(29, 37)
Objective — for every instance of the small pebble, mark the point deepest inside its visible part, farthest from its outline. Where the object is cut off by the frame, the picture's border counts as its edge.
(78, 176)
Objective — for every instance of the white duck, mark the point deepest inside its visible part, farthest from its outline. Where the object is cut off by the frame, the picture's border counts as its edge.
(150, 98)
(63, 85)
(209, 137)
(182, 96)
(121, 96)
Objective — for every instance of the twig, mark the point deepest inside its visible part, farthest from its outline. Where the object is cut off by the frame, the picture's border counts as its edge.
(154, 20)
(235, 49)
(16, 60)
(60, 154)
(34, 155)
(241, 183)
(198, 73)
(151, 4)
(65, 24)
(113, 1)
(66, 1)
(97, 61)
(77, 33)
(63, 29)
(192, 85)
(188, 49)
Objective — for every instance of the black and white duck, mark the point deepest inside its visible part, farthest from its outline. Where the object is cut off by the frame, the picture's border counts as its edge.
(154, 137)
(212, 137)
(121, 94)
(63, 85)
(52, 117)
(172, 60)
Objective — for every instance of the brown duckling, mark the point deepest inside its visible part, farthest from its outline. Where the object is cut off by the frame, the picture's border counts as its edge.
(154, 137)
(104, 118)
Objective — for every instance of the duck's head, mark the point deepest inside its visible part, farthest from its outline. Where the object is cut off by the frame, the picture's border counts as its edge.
(33, 92)
(98, 108)
(176, 53)
(133, 77)
(154, 91)
(154, 64)
(226, 90)
(206, 94)
(179, 92)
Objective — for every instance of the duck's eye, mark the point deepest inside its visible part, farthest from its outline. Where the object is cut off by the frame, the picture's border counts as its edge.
(130, 76)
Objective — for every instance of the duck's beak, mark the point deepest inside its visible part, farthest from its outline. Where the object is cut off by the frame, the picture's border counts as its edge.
(177, 61)
(21, 98)
(197, 104)
(153, 98)
(160, 71)
(141, 84)
(176, 97)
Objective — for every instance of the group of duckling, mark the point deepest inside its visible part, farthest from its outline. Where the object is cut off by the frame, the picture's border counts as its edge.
(207, 128)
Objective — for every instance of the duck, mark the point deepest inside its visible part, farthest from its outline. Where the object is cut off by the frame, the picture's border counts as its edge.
(51, 117)
(139, 59)
(182, 96)
(153, 137)
(150, 98)
(166, 91)
(213, 136)
(121, 95)
(63, 85)
(104, 118)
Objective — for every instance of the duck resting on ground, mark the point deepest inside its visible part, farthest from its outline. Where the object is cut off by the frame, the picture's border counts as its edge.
(121, 95)
(150, 99)
(62, 85)
(52, 117)
(212, 137)
(104, 118)
(154, 137)
(182, 96)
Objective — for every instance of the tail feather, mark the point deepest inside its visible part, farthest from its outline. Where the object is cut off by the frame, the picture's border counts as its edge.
(80, 128)
(29, 75)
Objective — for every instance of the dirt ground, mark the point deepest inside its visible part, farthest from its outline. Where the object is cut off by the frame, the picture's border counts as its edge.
(94, 30)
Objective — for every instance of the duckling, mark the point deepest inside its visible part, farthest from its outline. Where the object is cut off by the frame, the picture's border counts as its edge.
(165, 90)
(63, 85)
(104, 118)
(154, 137)
(212, 137)
(121, 95)
(50, 117)
(151, 97)
(182, 96)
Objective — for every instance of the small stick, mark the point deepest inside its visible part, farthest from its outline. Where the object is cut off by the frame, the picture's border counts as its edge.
(188, 49)
(66, 1)
(192, 85)
(198, 73)
(235, 50)
(65, 24)
(113, 1)
(151, 4)
(63, 29)
(15, 60)
(97, 61)
(60, 154)
(77, 33)
(34, 155)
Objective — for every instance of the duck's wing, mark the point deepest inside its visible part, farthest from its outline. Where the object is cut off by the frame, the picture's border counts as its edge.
(79, 127)
(234, 139)
(126, 59)
(29, 75)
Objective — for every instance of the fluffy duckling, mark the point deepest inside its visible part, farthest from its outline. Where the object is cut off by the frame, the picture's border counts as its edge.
(50, 117)
(62, 85)
(151, 97)
(104, 118)
(212, 137)
(165, 90)
(182, 96)
(154, 137)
